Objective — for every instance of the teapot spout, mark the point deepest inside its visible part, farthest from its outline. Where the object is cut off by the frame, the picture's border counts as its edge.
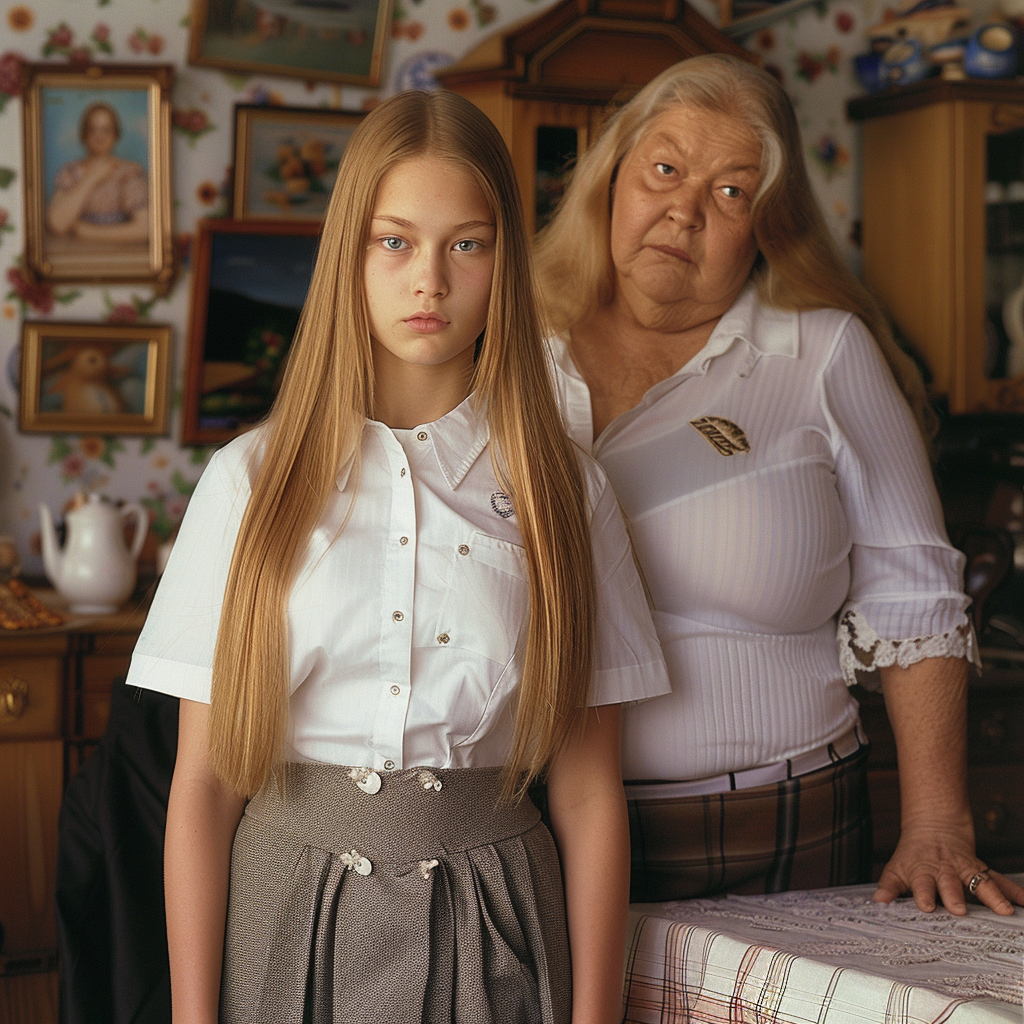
(53, 557)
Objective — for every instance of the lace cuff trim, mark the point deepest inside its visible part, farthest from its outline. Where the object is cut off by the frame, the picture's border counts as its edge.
(862, 650)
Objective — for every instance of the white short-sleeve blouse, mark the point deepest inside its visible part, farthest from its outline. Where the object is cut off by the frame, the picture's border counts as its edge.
(404, 627)
(776, 487)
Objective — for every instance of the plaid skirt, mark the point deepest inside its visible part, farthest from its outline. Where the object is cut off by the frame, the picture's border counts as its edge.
(392, 898)
(808, 832)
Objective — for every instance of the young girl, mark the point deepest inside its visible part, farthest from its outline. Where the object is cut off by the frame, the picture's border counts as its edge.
(386, 615)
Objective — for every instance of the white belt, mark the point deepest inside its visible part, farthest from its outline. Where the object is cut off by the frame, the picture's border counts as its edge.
(821, 757)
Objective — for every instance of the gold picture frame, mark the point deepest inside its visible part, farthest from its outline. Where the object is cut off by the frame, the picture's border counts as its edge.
(325, 42)
(94, 378)
(97, 144)
(286, 160)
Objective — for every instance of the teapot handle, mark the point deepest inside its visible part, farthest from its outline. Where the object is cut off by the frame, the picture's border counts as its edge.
(141, 525)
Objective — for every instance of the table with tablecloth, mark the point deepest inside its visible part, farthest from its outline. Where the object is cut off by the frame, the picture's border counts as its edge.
(828, 956)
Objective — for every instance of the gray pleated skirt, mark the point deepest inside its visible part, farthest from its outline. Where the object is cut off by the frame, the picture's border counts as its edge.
(423, 901)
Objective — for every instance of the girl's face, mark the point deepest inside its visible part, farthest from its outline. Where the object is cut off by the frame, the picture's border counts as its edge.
(429, 263)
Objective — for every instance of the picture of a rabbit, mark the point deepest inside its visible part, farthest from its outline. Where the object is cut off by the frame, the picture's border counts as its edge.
(82, 380)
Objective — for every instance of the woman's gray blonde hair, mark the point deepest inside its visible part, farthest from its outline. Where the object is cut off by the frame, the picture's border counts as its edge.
(798, 265)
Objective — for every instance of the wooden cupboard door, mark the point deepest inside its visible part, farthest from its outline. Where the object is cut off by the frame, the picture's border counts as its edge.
(29, 803)
(29, 999)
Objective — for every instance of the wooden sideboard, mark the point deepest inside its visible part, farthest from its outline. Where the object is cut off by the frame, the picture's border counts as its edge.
(995, 767)
(54, 703)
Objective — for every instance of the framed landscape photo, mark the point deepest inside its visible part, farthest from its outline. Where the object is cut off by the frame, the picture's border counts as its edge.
(316, 40)
(94, 378)
(98, 173)
(286, 160)
(249, 281)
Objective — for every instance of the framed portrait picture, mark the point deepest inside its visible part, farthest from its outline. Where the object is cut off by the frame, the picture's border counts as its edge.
(249, 281)
(97, 173)
(94, 378)
(318, 40)
(286, 160)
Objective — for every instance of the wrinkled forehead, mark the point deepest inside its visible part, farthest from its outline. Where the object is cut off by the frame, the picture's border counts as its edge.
(688, 127)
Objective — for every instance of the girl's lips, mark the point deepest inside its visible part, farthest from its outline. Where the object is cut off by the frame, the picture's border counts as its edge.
(426, 323)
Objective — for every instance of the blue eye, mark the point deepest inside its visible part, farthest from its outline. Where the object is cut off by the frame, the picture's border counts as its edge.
(391, 243)
(732, 191)
(466, 245)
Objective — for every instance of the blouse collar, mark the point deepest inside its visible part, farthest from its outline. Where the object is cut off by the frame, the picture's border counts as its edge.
(457, 438)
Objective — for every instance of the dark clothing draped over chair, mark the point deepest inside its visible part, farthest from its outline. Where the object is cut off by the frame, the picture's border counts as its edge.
(111, 928)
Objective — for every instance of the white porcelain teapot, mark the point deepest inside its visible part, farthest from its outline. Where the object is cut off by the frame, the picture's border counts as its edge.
(95, 571)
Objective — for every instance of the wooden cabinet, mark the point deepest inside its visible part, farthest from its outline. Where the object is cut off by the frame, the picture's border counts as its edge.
(995, 767)
(547, 82)
(941, 259)
(54, 704)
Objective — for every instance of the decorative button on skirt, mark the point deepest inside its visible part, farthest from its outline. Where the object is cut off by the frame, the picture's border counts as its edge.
(411, 903)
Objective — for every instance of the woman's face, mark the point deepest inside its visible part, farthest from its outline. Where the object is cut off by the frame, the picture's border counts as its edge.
(100, 132)
(682, 239)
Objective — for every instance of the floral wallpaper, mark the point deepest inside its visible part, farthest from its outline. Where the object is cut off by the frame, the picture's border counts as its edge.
(810, 53)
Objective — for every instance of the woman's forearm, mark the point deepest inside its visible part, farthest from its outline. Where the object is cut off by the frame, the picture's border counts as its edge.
(134, 230)
(927, 708)
(591, 827)
(202, 816)
(66, 206)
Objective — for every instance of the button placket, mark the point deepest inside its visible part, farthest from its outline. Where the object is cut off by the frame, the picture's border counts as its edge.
(395, 652)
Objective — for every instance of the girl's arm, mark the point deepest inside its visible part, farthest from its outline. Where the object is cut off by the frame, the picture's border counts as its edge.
(591, 827)
(202, 815)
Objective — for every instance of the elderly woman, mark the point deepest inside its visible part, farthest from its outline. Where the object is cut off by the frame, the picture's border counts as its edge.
(764, 436)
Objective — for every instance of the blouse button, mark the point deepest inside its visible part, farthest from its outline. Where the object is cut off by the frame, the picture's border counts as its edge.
(463, 549)
(397, 616)
(443, 638)
(403, 541)
(396, 690)
(362, 866)
(422, 435)
(371, 784)
(389, 764)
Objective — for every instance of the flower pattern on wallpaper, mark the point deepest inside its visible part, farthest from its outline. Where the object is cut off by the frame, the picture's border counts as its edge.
(36, 296)
(135, 310)
(192, 122)
(810, 66)
(12, 77)
(832, 157)
(78, 458)
(166, 507)
(809, 53)
(20, 18)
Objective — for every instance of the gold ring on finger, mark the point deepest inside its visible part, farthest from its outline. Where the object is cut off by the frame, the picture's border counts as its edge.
(976, 879)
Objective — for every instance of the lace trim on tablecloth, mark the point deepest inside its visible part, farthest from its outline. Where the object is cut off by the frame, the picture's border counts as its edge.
(972, 957)
(862, 650)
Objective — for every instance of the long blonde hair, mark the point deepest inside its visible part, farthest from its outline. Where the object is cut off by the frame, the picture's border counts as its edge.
(316, 424)
(798, 266)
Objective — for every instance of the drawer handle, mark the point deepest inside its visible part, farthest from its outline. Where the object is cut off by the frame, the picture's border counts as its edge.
(994, 816)
(14, 694)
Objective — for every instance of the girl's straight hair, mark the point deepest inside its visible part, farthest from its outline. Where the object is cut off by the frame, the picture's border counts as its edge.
(798, 266)
(316, 425)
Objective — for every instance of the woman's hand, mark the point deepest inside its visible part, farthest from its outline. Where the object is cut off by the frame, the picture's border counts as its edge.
(938, 861)
(935, 857)
(591, 827)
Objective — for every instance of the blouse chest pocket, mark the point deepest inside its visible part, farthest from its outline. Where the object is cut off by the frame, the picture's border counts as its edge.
(487, 600)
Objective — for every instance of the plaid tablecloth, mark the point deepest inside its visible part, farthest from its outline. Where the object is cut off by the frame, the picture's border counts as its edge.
(830, 956)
